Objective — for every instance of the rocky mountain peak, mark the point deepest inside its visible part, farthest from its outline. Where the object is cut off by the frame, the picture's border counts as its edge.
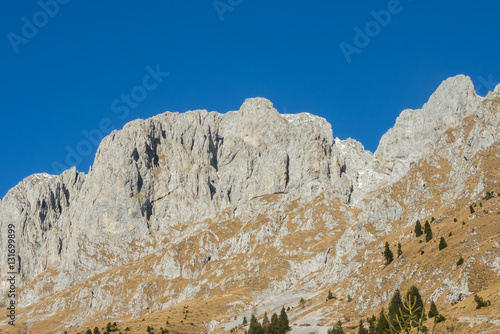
(254, 206)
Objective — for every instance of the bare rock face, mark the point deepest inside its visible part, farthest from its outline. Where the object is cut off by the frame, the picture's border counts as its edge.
(168, 170)
(158, 184)
(416, 131)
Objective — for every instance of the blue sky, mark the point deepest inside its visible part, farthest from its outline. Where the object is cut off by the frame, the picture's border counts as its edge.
(71, 70)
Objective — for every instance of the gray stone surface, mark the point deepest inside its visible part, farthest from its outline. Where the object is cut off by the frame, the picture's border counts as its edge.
(181, 169)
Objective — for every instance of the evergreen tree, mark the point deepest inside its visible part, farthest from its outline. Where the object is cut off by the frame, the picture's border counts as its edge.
(460, 261)
(89, 331)
(273, 327)
(362, 329)
(389, 257)
(255, 327)
(382, 324)
(283, 325)
(330, 295)
(433, 312)
(96, 330)
(108, 327)
(413, 296)
(442, 244)
(372, 325)
(395, 306)
(337, 329)
(265, 322)
(245, 320)
(428, 231)
(400, 252)
(418, 229)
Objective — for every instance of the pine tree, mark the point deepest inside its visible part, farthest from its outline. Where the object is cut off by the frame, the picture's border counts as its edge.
(442, 244)
(372, 325)
(108, 327)
(382, 324)
(96, 330)
(283, 325)
(245, 320)
(415, 300)
(330, 295)
(428, 231)
(362, 329)
(389, 257)
(418, 229)
(337, 329)
(400, 252)
(89, 331)
(273, 327)
(460, 261)
(395, 306)
(265, 322)
(255, 327)
(433, 312)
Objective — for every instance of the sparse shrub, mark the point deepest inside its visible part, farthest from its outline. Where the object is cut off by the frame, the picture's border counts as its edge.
(450, 234)
(455, 220)
(481, 204)
(420, 241)
(442, 244)
(460, 261)
(88, 331)
(463, 223)
(330, 295)
(480, 302)
(432, 219)
(418, 229)
(302, 302)
(389, 257)
(349, 298)
(471, 208)
(421, 252)
(427, 231)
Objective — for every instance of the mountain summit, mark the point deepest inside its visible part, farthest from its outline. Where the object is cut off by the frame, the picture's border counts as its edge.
(193, 221)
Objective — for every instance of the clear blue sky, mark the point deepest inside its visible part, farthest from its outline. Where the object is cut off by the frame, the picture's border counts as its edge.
(63, 68)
